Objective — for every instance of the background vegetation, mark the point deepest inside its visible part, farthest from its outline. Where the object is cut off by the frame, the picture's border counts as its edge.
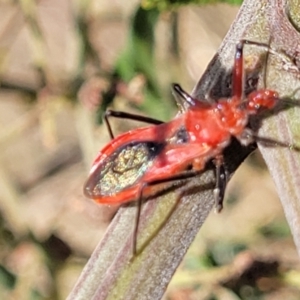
(62, 64)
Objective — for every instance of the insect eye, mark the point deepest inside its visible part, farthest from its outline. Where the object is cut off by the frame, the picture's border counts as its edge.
(180, 137)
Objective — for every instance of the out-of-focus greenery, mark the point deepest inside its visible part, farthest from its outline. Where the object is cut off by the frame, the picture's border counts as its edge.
(138, 58)
(31, 266)
(169, 4)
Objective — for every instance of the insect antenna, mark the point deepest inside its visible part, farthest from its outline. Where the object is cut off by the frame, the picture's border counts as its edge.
(289, 102)
(265, 69)
(280, 54)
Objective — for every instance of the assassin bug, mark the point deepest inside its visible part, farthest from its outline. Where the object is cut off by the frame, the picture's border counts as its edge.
(133, 163)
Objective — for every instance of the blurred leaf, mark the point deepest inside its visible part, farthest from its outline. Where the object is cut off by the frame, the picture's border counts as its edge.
(138, 56)
(275, 229)
(199, 262)
(293, 278)
(7, 279)
(224, 252)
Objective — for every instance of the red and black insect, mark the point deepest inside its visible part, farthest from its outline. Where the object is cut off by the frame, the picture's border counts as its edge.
(140, 162)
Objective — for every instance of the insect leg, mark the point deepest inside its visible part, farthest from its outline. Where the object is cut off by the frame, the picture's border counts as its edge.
(181, 176)
(274, 143)
(268, 50)
(248, 137)
(124, 115)
(137, 221)
(238, 71)
(221, 183)
(238, 68)
(166, 219)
